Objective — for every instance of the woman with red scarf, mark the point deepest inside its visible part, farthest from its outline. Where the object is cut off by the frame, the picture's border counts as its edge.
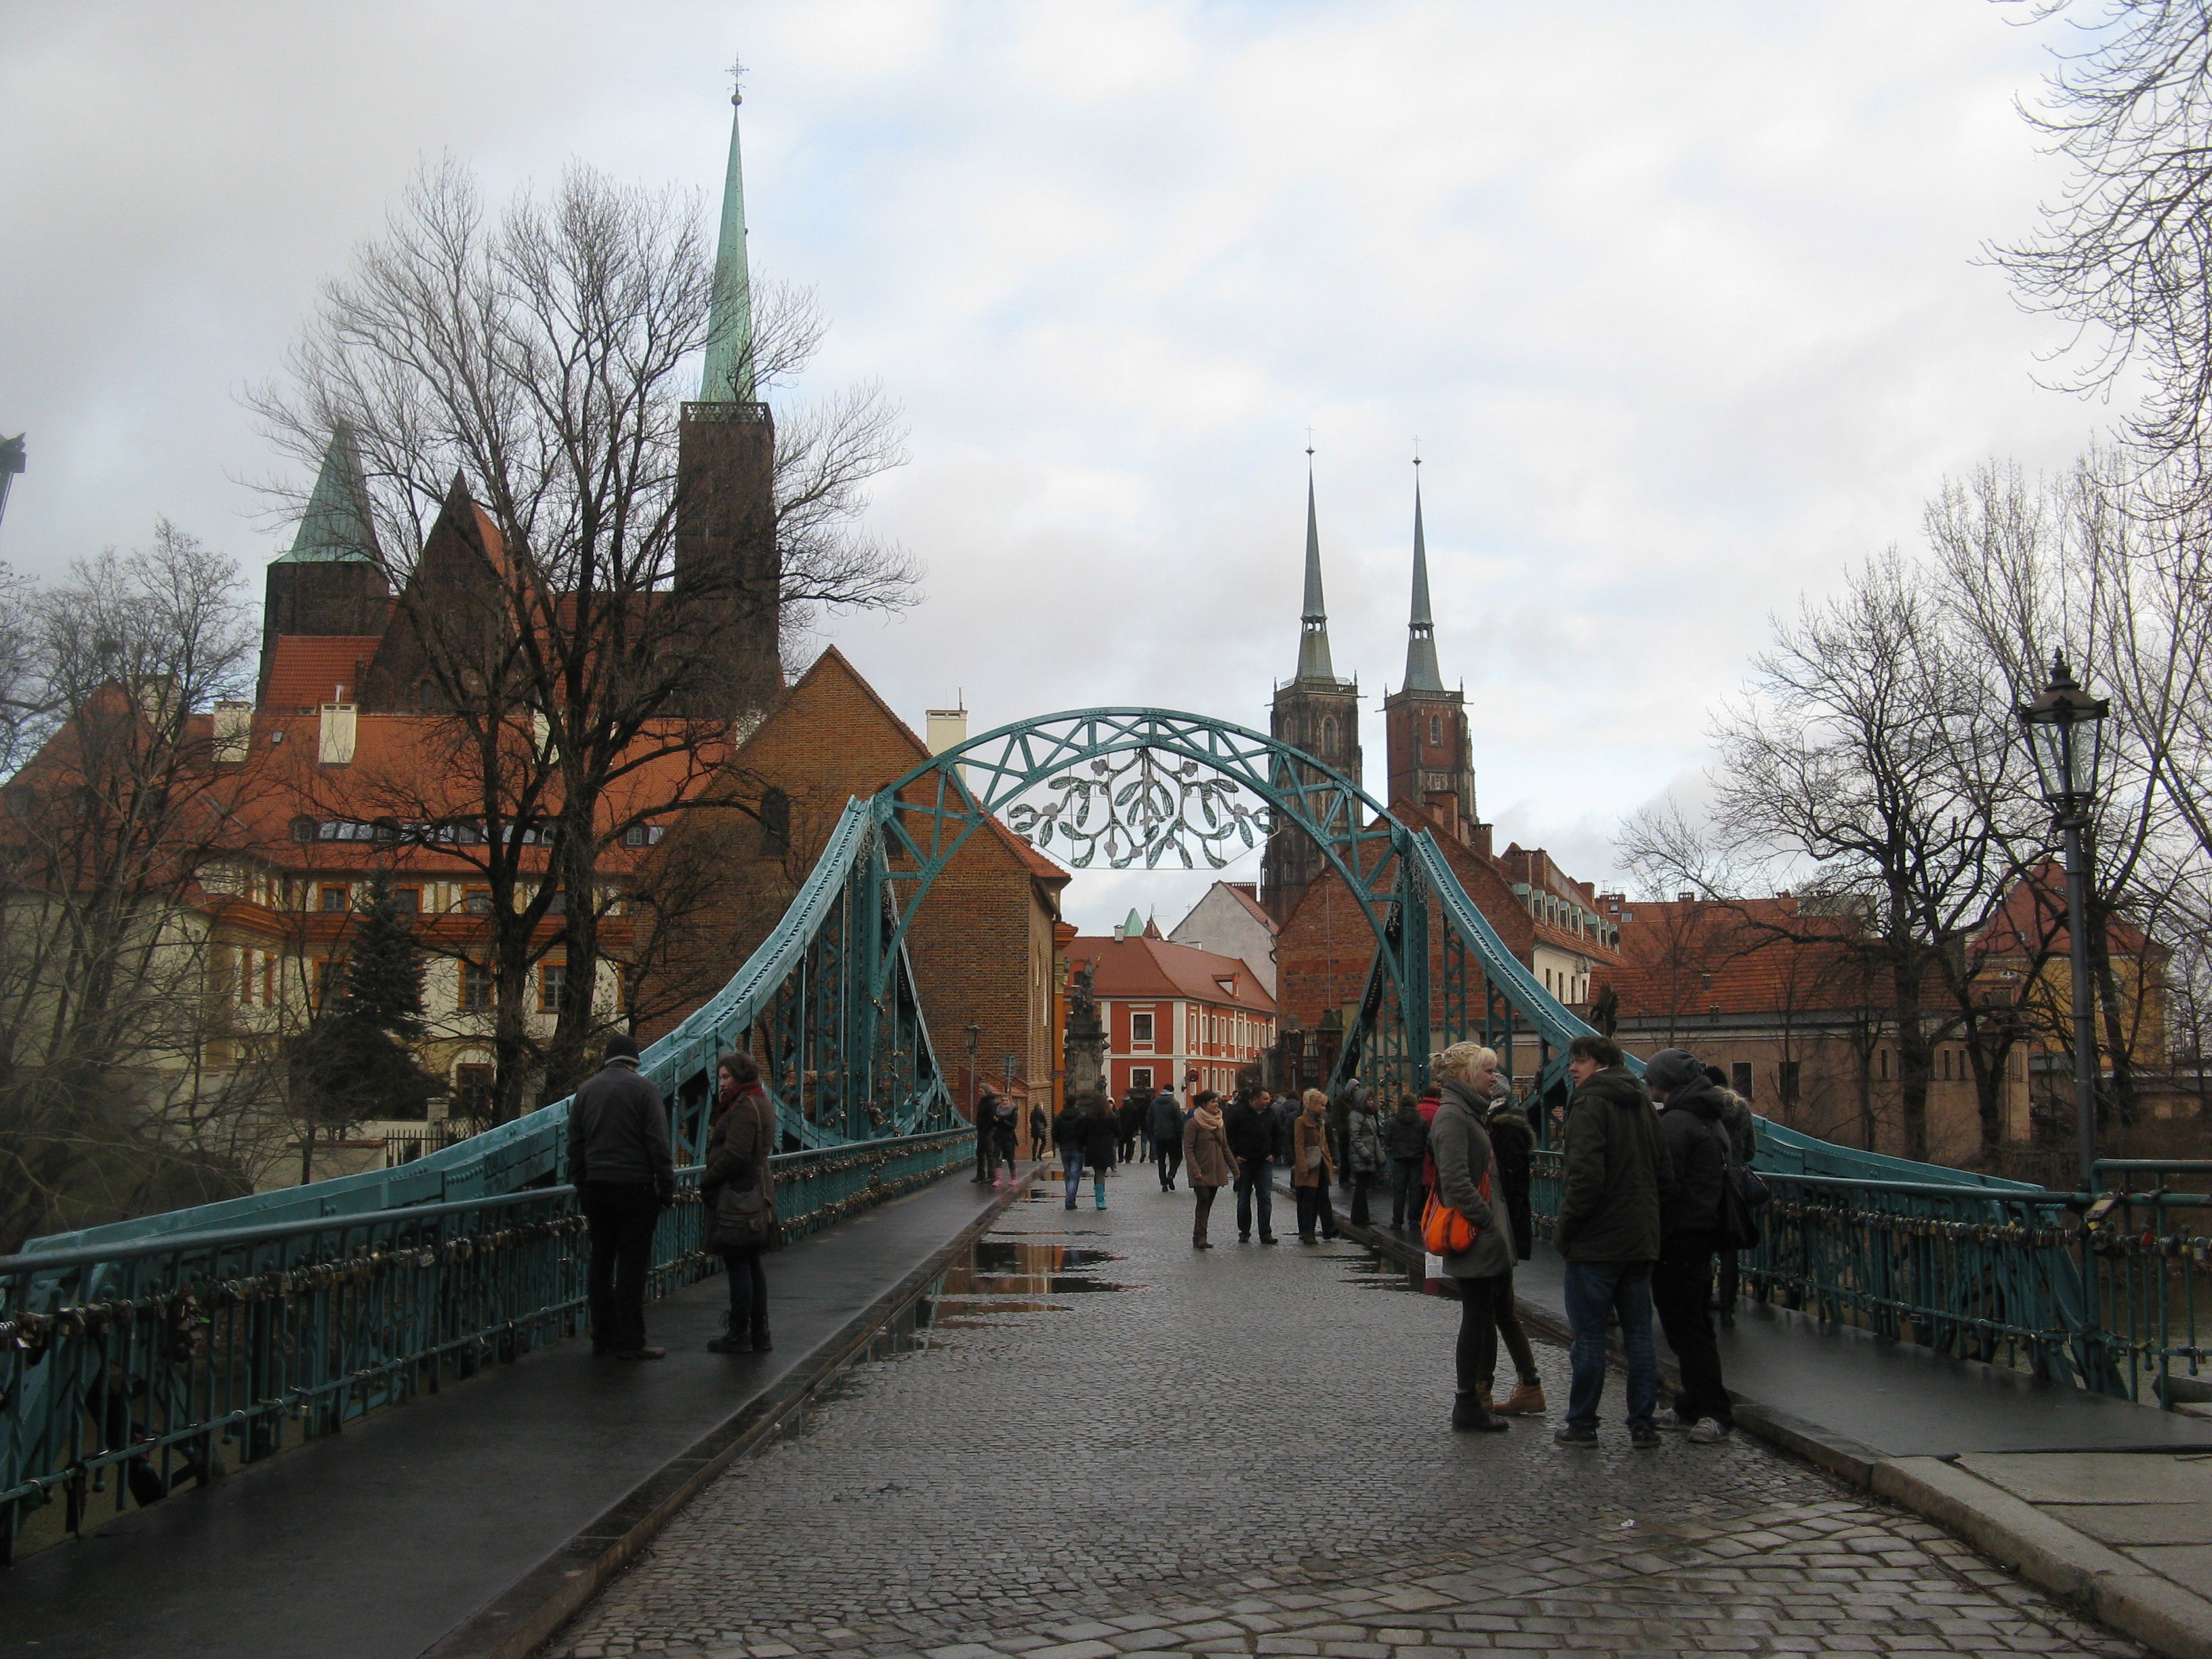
(738, 1188)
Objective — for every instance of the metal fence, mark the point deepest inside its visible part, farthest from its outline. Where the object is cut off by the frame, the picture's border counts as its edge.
(2108, 1291)
(128, 1367)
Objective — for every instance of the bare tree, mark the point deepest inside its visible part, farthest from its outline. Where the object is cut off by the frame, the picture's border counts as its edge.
(543, 360)
(2126, 251)
(111, 836)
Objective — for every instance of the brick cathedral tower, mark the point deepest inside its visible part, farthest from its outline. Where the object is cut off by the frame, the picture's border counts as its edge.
(726, 561)
(1431, 759)
(1315, 712)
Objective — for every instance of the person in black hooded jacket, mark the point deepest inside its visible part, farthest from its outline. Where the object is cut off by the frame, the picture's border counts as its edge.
(1692, 1130)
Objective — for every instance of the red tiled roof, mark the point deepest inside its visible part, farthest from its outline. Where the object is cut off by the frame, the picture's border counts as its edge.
(306, 669)
(1156, 967)
(1739, 956)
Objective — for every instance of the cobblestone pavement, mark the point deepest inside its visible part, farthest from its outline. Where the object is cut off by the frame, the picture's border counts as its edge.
(1244, 1450)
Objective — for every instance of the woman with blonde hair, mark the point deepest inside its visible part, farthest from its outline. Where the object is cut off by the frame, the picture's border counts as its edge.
(1312, 1168)
(1467, 1181)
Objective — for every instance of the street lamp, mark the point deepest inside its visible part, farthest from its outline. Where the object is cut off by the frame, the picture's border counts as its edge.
(975, 1078)
(2065, 727)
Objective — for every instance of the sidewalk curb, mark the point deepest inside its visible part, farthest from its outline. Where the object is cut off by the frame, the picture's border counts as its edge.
(2047, 1553)
(516, 1622)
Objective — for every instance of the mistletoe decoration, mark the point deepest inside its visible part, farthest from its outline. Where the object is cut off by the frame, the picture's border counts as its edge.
(1134, 806)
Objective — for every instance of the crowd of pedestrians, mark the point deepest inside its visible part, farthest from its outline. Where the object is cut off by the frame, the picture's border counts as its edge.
(1653, 1198)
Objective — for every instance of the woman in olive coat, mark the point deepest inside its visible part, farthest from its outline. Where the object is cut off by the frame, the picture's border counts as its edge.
(1312, 1168)
(1466, 1179)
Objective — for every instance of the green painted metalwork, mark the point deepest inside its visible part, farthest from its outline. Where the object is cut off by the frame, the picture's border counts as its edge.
(138, 1365)
(728, 375)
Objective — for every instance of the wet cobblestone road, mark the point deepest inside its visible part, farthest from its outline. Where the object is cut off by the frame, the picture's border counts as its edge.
(1245, 1451)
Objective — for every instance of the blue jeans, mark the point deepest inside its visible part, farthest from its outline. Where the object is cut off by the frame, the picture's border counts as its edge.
(1595, 1289)
(1071, 1162)
(1255, 1175)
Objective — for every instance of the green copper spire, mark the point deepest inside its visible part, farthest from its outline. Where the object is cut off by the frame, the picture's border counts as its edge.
(1421, 673)
(335, 525)
(1312, 621)
(729, 375)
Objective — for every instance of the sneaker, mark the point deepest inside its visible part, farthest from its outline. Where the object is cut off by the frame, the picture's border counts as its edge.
(1642, 1437)
(1672, 1417)
(1576, 1434)
(1711, 1432)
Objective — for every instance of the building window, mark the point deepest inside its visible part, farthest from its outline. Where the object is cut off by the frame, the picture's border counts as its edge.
(1740, 1078)
(268, 980)
(426, 696)
(337, 899)
(303, 829)
(472, 1091)
(408, 900)
(1882, 1061)
(549, 976)
(1944, 1061)
(1141, 1029)
(1786, 1081)
(475, 988)
(1435, 732)
(559, 904)
(326, 977)
(245, 978)
(477, 901)
(1141, 1077)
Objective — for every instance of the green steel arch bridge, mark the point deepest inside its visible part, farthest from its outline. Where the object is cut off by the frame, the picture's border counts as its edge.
(154, 1349)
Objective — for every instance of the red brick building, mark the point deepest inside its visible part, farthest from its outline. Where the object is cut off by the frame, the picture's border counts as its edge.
(1171, 1010)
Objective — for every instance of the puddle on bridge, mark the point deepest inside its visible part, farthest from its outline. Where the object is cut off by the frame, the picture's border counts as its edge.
(1004, 1275)
(1377, 1272)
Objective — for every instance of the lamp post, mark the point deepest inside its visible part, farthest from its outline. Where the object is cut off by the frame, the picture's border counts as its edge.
(975, 1078)
(2065, 728)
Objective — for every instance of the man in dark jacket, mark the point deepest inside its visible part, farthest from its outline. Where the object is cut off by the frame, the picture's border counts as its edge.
(1166, 1130)
(1251, 1130)
(620, 1163)
(1615, 1179)
(1692, 1130)
(1136, 1108)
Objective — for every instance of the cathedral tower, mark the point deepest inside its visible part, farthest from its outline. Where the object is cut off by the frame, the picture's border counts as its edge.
(1314, 712)
(1431, 760)
(727, 562)
(333, 581)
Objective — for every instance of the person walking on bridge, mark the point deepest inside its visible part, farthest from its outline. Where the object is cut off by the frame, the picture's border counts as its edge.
(1167, 1135)
(1407, 1140)
(1067, 1136)
(1101, 1130)
(1207, 1157)
(1467, 1181)
(1363, 1138)
(1616, 1181)
(1040, 1130)
(1251, 1130)
(737, 1187)
(620, 1163)
(1312, 1168)
(1692, 1125)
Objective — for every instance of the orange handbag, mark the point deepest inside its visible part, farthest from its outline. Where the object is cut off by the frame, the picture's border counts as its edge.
(1447, 1231)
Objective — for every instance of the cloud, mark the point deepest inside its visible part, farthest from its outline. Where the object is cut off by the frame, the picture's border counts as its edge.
(1680, 300)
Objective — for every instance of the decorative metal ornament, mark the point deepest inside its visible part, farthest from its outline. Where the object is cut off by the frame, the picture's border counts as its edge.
(1140, 806)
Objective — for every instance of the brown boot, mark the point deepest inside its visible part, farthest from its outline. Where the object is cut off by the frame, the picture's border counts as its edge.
(1525, 1401)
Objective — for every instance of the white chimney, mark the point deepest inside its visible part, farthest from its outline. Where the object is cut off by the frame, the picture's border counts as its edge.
(948, 729)
(1121, 932)
(337, 731)
(233, 730)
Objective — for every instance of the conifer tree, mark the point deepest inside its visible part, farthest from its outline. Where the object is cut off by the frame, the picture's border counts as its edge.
(355, 1062)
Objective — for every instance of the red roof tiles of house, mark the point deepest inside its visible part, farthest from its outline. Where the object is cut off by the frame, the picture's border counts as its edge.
(1155, 968)
(307, 670)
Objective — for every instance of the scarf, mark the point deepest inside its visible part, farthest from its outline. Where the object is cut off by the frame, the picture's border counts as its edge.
(1209, 1117)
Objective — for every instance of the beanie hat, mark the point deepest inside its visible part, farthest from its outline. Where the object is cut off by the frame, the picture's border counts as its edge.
(621, 1046)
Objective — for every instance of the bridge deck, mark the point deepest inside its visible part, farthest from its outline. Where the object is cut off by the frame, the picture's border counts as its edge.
(375, 1544)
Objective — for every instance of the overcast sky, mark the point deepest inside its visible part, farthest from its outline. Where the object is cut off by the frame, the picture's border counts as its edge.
(1680, 300)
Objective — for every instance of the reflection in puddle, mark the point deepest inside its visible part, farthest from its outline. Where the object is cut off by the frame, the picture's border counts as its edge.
(1380, 1273)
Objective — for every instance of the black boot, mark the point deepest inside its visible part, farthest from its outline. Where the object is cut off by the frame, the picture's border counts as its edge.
(731, 1340)
(1472, 1413)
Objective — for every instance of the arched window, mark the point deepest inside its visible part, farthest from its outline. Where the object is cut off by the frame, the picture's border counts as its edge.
(1327, 735)
(1435, 730)
(426, 696)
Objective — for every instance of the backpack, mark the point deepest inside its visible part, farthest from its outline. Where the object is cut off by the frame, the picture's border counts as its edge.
(1742, 1195)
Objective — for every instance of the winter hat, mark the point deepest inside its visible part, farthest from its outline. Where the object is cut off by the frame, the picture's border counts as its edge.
(621, 1046)
(1671, 1069)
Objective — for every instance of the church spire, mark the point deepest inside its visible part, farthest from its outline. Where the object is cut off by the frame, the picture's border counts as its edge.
(1421, 673)
(335, 528)
(1312, 621)
(729, 373)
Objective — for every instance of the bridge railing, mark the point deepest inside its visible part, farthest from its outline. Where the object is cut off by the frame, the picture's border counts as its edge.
(127, 1366)
(2109, 1291)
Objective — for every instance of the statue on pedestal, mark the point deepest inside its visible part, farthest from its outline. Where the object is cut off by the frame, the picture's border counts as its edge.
(1086, 1040)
